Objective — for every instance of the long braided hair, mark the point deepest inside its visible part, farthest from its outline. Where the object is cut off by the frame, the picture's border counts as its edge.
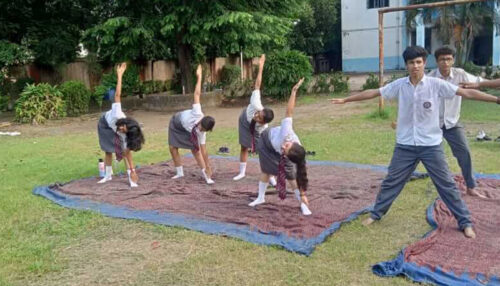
(297, 154)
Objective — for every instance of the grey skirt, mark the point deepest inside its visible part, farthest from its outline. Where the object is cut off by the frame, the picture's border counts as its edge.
(269, 159)
(244, 131)
(178, 136)
(106, 136)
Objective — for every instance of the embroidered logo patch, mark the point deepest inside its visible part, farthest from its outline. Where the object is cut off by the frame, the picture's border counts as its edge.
(427, 105)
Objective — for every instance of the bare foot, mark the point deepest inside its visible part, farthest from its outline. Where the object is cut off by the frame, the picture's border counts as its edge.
(368, 221)
(473, 193)
(469, 232)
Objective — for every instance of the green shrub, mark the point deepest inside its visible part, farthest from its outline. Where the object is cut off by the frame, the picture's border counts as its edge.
(471, 68)
(11, 91)
(239, 88)
(77, 97)
(495, 75)
(230, 74)
(328, 82)
(340, 82)
(155, 86)
(491, 73)
(395, 77)
(39, 103)
(130, 83)
(283, 70)
(322, 84)
(371, 82)
(131, 80)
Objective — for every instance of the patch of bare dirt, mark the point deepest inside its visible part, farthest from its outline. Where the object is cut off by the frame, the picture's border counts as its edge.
(226, 117)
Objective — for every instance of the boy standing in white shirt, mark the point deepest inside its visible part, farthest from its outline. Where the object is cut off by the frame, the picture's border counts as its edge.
(449, 114)
(419, 136)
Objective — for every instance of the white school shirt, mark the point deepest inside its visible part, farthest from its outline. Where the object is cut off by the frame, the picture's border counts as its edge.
(255, 106)
(191, 117)
(112, 116)
(418, 109)
(283, 133)
(449, 112)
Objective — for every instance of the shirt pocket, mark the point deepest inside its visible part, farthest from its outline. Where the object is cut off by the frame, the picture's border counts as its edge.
(427, 102)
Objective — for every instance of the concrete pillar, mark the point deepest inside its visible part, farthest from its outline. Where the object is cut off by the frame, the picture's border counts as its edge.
(496, 39)
(420, 31)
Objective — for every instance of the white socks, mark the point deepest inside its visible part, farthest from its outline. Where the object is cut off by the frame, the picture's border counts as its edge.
(132, 183)
(303, 207)
(243, 169)
(207, 179)
(261, 196)
(272, 181)
(107, 177)
(180, 172)
(297, 195)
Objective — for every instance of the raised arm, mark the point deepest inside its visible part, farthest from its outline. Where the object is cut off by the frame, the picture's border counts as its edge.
(120, 70)
(487, 84)
(293, 95)
(258, 80)
(197, 88)
(364, 95)
(477, 95)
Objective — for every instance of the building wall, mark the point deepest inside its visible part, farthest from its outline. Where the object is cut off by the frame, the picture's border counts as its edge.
(360, 37)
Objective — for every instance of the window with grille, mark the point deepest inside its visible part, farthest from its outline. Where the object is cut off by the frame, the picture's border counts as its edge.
(377, 4)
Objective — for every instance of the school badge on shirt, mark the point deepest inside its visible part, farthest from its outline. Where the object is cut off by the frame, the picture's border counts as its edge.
(427, 105)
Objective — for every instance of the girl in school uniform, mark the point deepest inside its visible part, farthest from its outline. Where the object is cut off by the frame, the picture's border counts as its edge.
(187, 129)
(119, 134)
(252, 122)
(279, 150)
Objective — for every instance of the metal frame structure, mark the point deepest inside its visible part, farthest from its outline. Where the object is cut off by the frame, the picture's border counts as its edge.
(381, 13)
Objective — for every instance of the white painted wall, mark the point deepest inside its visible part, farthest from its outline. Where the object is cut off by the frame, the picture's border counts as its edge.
(360, 35)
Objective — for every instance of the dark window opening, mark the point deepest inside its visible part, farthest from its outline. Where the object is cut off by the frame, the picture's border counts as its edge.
(377, 4)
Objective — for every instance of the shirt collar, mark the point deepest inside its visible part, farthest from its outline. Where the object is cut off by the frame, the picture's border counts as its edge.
(451, 76)
(422, 81)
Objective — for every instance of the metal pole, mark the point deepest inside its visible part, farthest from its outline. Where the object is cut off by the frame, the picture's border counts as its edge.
(381, 31)
(428, 5)
(381, 57)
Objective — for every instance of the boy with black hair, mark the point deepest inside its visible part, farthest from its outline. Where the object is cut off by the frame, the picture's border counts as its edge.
(419, 136)
(449, 113)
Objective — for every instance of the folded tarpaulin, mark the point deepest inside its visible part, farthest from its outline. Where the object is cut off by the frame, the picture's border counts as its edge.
(444, 256)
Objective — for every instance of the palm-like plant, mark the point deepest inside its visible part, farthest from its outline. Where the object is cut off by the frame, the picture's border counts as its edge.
(458, 24)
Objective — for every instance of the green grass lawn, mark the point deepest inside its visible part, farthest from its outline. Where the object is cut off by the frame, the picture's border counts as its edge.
(45, 244)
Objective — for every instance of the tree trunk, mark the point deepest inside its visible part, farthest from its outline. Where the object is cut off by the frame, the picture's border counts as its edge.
(184, 58)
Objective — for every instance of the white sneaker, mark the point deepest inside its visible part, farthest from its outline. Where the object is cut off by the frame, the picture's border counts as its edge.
(305, 210)
(239, 177)
(480, 135)
(177, 176)
(210, 181)
(104, 180)
(258, 201)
